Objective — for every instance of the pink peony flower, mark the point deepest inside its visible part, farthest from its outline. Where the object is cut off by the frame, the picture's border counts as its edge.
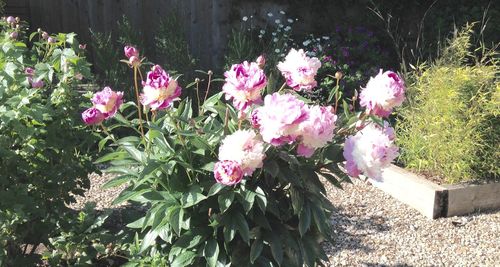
(280, 117)
(382, 93)
(107, 101)
(245, 148)
(13, 35)
(159, 89)
(92, 116)
(317, 130)
(134, 61)
(228, 172)
(299, 70)
(131, 51)
(370, 150)
(244, 82)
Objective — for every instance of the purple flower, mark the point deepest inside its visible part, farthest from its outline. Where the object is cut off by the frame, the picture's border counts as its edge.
(160, 90)
(107, 101)
(228, 172)
(92, 116)
(11, 20)
(244, 82)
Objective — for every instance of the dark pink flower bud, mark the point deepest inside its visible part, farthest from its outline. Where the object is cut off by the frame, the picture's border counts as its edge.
(45, 35)
(261, 61)
(131, 51)
(92, 116)
(37, 84)
(13, 35)
(82, 46)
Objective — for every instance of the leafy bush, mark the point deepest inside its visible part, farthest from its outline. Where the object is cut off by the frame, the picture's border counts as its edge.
(278, 213)
(449, 127)
(44, 149)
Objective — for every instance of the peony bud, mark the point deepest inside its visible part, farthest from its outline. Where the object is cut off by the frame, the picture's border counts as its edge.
(338, 75)
(92, 116)
(11, 20)
(134, 61)
(82, 46)
(37, 84)
(51, 40)
(131, 51)
(18, 19)
(39, 30)
(13, 35)
(261, 61)
(45, 35)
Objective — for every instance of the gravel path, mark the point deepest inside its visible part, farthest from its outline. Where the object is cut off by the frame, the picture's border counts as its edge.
(373, 229)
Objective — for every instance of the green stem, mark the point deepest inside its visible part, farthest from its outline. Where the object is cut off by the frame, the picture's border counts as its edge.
(136, 86)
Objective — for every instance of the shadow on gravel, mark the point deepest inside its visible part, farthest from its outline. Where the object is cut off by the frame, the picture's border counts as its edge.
(349, 230)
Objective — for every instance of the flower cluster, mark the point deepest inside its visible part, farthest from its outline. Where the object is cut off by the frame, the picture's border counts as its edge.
(105, 105)
(240, 154)
(159, 89)
(244, 83)
(370, 150)
(300, 70)
(382, 93)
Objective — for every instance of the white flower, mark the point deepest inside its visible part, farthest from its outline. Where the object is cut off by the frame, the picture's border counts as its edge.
(245, 148)
(287, 28)
(277, 50)
(306, 42)
(282, 12)
(277, 21)
(290, 20)
(275, 40)
(262, 31)
(269, 14)
(245, 18)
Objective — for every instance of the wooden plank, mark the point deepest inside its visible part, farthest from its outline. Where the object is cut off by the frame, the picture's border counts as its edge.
(413, 190)
(464, 199)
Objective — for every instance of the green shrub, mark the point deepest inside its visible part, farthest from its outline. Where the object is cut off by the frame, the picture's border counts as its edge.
(449, 127)
(44, 157)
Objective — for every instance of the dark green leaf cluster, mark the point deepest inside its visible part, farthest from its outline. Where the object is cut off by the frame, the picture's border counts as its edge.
(44, 148)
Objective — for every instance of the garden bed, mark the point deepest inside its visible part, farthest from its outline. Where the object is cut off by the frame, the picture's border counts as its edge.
(434, 200)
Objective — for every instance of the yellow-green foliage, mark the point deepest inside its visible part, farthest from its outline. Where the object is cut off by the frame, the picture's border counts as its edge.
(450, 124)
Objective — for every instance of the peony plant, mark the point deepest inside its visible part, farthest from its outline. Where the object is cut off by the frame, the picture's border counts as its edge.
(238, 183)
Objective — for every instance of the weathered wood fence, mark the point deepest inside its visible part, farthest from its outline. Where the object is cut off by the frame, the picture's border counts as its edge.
(205, 21)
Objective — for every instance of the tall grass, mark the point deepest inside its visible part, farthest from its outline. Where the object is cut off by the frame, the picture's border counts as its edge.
(449, 126)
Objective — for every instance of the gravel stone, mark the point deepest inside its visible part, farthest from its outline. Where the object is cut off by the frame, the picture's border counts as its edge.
(374, 229)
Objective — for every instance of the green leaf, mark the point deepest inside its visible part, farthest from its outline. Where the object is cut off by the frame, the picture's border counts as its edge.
(216, 188)
(111, 156)
(134, 152)
(304, 219)
(242, 226)
(225, 200)
(297, 200)
(129, 195)
(148, 240)
(190, 239)
(192, 197)
(137, 224)
(276, 247)
(119, 180)
(256, 249)
(184, 259)
(211, 252)
(177, 219)
(261, 199)
(271, 167)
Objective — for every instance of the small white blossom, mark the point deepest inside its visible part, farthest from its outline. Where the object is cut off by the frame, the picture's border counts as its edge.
(277, 21)
(269, 14)
(290, 20)
(277, 50)
(282, 12)
(245, 18)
